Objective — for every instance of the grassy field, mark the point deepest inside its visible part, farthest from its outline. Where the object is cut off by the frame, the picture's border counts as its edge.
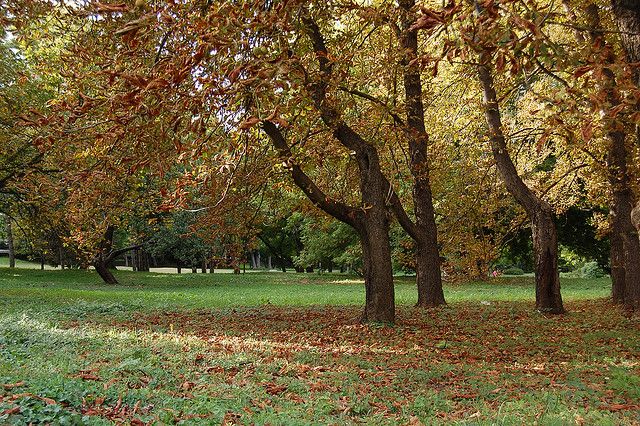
(288, 349)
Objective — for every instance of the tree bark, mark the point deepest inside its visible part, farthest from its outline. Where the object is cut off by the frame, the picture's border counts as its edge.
(377, 271)
(545, 242)
(141, 260)
(104, 272)
(635, 217)
(617, 262)
(10, 245)
(425, 234)
(545, 247)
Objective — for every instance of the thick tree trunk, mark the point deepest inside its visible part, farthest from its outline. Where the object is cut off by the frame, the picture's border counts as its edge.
(10, 246)
(622, 225)
(545, 242)
(377, 271)
(625, 209)
(545, 247)
(617, 263)
(104, 272)
(424, 231)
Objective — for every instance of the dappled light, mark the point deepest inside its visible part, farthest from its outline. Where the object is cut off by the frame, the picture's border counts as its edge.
(137, 361)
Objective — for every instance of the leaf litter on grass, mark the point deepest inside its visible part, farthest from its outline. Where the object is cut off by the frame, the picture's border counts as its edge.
(318, 364)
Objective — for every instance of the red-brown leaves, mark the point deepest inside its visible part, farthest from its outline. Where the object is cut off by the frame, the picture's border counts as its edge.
(109, 8)
(8, 386)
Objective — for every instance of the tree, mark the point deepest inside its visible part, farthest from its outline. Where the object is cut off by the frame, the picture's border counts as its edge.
(539, 211)
(626, 227)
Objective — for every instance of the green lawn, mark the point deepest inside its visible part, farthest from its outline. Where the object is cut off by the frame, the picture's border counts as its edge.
(287, 349)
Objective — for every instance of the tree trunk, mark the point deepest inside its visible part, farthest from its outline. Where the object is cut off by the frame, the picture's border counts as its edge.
(625, 208)
(635, 217)
(545, 247)
(42, 262)
(141, 260)
(269, 265)
(424, 232)
(10, 247)
(617, 262)
(377, 271)
(545, 241)
(104, 272)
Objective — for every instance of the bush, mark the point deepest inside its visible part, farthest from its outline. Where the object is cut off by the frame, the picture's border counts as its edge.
(513, 271)
(591, 270)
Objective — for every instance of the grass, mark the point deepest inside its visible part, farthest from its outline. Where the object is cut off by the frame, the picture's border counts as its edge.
(287, 349)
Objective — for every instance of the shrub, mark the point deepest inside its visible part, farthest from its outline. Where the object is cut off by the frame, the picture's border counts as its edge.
(513, 271)
(591, 270)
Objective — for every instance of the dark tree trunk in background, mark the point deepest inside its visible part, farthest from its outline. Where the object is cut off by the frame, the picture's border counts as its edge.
(545, 241)
(423, 231)
(61, 257)
(269, 265)
(179, 267)
(102, 259)
(105, 273)
(141, 260)
(10, 247)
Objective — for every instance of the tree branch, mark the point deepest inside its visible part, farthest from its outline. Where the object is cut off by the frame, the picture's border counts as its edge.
(340, 211)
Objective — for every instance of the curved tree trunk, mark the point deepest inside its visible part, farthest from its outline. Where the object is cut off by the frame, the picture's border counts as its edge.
(545, 241)
(105, 273)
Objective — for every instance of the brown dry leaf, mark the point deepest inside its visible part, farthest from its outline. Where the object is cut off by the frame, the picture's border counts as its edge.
(13, 385)
(9, 411)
